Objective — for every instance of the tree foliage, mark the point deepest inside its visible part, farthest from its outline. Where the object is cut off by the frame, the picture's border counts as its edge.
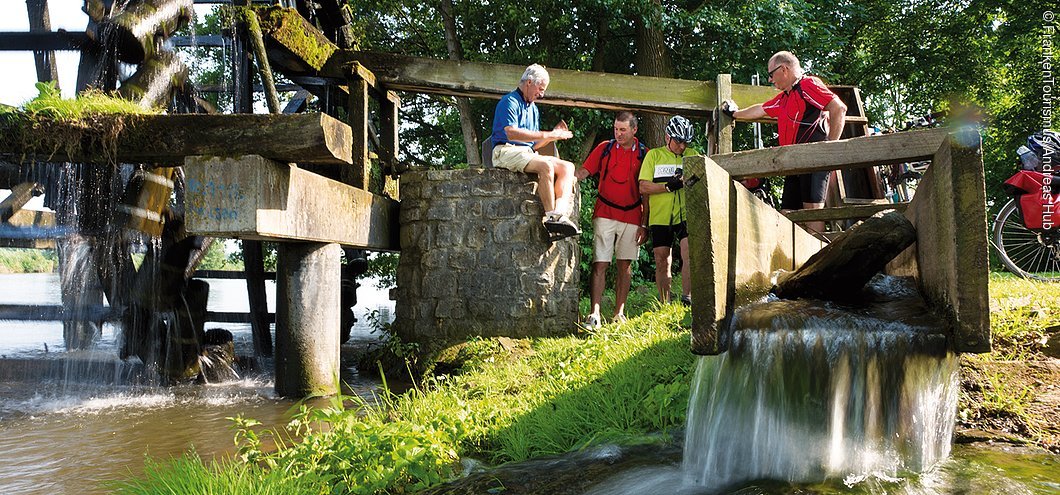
(909, 57)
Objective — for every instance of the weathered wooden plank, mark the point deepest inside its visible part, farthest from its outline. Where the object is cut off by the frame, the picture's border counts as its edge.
(737, 242)
(950, 259)
(295, 46)
(167, 139)
(856, 152)
(254, 270)
(567, 87)
(40, 21)
(842, 212)
(30, 219)
(20, 195)
(724, 123)
(254, 198)
(57, 40)
(840, 271)
(229, 274)
(360, 172)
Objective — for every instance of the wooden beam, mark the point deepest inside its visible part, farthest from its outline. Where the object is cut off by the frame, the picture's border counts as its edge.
(31, 219)
(736, 243)
(951, 259)
(360, 172)
(723, 123)
(389, 123)
(803, 158)
(40, 21)
(842, 212)
(167, 139)
(251, 197)
(254, 270)
(295, 46)
(567, 87)
(20, 195)
(229, 274)
(57, 40)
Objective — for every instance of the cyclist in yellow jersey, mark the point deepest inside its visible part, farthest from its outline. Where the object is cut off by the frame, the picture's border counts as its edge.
(661, 182)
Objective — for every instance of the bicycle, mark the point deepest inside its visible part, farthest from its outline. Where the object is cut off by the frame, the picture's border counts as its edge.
(1033, 254)
(899, 180)
(1025, 251)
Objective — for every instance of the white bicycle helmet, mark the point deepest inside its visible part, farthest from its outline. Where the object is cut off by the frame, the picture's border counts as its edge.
(680, 128)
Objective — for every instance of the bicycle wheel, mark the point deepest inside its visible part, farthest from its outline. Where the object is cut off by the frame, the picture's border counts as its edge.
(1025, 252)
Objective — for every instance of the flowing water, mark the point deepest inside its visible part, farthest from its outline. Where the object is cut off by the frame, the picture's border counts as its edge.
(810, 398)
(816, 397)
(808, 393)
(70, 421)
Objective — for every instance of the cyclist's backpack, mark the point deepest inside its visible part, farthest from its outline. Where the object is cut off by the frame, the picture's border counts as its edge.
(605, 164)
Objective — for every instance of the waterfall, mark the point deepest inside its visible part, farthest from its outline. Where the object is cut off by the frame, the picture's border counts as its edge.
(810, 391)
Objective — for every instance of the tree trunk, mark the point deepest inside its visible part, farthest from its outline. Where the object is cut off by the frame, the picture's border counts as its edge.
(652, 59)
(463, 104)
(602, 36)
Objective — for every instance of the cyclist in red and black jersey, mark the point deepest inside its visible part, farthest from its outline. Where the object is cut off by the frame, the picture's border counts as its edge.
(806, 112)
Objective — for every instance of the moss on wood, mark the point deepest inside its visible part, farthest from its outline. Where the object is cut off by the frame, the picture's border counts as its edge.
(289, 29)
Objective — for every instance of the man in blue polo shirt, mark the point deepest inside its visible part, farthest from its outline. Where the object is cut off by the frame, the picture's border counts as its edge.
(516, 137)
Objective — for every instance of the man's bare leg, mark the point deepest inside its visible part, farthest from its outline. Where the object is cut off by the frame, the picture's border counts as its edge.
(662, 273)
(597, 283)
(564, 189)
(623, 278)
(686, 270)
(816, 227)
(546, 178)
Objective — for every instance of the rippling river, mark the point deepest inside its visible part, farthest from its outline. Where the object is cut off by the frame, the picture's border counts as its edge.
(73, 435)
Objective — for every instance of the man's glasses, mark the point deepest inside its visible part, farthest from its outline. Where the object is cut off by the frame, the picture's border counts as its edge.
(770, 76)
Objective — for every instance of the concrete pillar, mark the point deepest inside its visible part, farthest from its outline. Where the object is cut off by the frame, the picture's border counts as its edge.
(308, 282)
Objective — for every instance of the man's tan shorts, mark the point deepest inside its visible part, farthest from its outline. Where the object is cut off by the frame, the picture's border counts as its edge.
(614, 238)
(513, 157)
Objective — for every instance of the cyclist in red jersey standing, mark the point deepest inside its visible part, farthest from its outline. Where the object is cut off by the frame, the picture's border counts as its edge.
(619, 224)
(806, 112)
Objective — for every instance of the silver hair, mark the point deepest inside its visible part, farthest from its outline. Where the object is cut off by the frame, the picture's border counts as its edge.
(535, 73)
(789, 59)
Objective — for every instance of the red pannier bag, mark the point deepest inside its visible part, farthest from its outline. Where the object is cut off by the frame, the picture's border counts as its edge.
(1038, 209)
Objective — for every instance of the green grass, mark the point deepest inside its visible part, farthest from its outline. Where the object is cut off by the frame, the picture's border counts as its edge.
(626, 383)
(15, 260)
(1020, 310)
(191, 475)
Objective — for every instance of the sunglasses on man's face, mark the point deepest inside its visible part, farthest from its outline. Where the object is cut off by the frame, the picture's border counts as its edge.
(774, 70)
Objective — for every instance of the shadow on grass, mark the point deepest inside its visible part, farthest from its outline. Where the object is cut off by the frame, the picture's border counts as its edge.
(639, 402)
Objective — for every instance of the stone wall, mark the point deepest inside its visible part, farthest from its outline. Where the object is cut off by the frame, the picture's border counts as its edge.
(476, 259)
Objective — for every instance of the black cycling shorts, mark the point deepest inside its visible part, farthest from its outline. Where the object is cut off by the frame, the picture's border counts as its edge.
(804, 188)
(664, 235)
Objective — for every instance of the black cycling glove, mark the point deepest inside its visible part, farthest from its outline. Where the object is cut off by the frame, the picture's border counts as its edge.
(675, 183)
